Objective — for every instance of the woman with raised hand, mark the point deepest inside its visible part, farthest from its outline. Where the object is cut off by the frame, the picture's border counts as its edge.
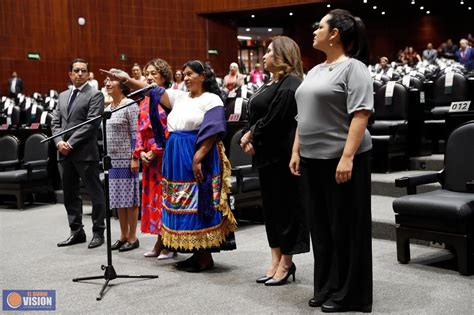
(196, 173)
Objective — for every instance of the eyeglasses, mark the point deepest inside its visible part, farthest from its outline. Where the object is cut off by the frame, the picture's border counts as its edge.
(80, 70)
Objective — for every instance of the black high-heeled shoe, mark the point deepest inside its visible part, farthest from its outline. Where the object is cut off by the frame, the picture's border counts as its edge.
(263, 279)
(284, 280)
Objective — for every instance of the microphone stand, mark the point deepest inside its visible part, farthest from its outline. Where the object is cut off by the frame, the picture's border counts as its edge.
(109, 273)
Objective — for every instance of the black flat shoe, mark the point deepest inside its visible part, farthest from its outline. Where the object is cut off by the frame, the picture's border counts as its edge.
(263, 279)
(317, 301)
(196, 267)
(182, 265)
(118, 244)
(76, 238)
(129, 246)
(284, 280)
(96, 241)
(332, 307)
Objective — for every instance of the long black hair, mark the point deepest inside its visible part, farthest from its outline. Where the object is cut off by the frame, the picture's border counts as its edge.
(210, 84)
(352, 32)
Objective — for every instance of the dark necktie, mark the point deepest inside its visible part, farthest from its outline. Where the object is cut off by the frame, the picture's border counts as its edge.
(73, 97)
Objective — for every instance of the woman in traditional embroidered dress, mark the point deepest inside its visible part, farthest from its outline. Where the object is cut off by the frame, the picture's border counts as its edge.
(123, 178)
(196, 173)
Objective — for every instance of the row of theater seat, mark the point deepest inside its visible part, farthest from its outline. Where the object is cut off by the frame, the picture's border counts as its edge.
(412, 114)
(24, 172)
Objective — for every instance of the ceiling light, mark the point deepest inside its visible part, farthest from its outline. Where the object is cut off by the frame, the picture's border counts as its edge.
(247, 29)
(462, 2)
(244, 37)
(252, 16)
(421, 8)
(383, 13)
(428, 12)
(291, 13)
(412, 1)
(328, 6)
(365, 1)
(270, 30)
(374, 7)
(470, 8)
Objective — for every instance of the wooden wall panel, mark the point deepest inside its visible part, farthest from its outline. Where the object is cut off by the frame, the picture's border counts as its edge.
(223, 37)
(212, 6)
(175, 30)
(140, 29)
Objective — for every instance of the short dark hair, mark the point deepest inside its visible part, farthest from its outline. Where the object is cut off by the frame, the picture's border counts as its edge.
(163, 68)
(81, 61)
(352, 33)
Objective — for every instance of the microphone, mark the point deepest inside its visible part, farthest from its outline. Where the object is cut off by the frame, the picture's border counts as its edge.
(142, 91)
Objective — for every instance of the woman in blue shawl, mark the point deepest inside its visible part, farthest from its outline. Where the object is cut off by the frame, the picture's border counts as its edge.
(196, 173)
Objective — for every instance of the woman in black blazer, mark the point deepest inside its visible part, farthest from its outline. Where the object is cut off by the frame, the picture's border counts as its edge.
(269, 140)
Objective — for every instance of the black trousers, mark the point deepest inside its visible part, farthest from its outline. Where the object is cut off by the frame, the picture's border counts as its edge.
(340, 218)
(89, 172)
(284, 217)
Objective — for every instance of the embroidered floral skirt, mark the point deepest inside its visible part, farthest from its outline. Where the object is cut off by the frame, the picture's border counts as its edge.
(185, 227)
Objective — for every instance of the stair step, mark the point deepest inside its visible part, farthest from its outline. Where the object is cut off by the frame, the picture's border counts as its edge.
(384, 184)
(434, 162)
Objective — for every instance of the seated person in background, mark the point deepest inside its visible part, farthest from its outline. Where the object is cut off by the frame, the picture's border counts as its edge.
(449, 50)
(256, 75)
(400, 56)
(137, 73)
(92, 81)
(465, 55)
(430, 54)
(178, 82)
(411, 57)
(234, 79)
(384, 66)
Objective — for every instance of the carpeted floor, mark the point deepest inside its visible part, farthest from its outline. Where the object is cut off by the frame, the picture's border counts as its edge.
(31, 260)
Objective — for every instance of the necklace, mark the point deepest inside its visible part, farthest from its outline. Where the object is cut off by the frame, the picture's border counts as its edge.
(114, 106)
(333, 63)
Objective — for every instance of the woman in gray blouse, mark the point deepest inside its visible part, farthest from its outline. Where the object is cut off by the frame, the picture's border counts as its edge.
(332, 152)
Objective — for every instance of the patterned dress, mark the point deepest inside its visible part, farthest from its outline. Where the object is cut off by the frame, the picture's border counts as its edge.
(151, 174)
(121, 133)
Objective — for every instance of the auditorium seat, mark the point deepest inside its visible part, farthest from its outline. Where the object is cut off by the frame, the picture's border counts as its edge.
(449, 87)
(33, 176)
(377, 85)
(445, 215)
(12, 114)
(33, 114)
(245, 190)
(10, 146)
(417, 100)
(389, 129)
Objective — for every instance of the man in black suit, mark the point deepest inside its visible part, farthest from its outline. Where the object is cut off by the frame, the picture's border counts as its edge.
(78, 153)
(15, 85)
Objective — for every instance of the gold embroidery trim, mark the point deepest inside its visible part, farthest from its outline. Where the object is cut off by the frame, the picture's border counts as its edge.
(214, 236)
